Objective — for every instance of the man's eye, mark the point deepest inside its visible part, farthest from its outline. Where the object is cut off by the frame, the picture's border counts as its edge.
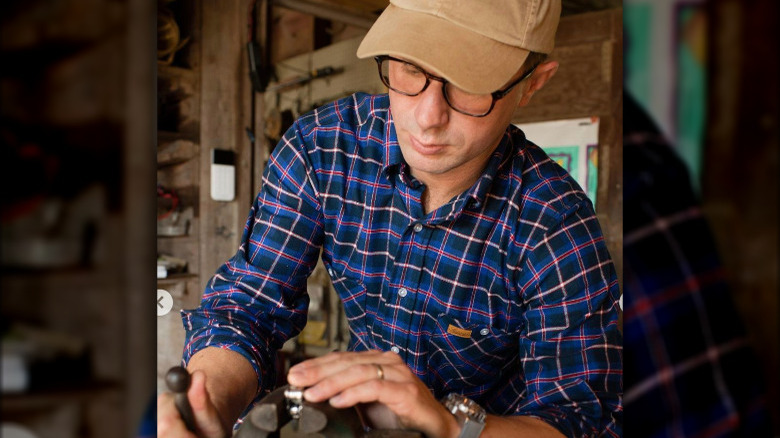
(411, 70)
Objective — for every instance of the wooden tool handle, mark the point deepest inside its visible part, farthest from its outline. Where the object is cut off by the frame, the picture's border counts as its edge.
(178, 381)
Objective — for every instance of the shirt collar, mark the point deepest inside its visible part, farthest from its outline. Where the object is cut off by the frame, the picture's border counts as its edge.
(394, 160)
(505, 150)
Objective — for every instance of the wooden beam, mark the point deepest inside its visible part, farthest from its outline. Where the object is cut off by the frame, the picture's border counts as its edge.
(329, 12)
(225, 91)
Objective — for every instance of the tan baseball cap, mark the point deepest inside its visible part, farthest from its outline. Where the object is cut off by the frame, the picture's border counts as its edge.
(475, 44)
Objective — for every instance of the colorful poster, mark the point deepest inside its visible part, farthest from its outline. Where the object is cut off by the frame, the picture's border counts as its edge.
(566, 157)
(573, 144)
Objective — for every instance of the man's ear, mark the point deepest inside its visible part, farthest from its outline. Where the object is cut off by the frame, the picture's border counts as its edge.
(543, 73)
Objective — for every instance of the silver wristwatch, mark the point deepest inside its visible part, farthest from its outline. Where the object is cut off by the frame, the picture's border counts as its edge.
(470, 415)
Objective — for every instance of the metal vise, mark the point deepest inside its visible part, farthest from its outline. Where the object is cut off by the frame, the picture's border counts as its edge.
(285, 414)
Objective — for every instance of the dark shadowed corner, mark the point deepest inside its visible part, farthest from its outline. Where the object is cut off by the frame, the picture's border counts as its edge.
(76, 125)
(709, 326)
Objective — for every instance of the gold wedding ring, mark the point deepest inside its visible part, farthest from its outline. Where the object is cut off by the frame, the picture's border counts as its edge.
(380, 373)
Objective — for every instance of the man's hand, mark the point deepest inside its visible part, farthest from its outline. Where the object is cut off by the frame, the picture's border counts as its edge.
(347, 379)
(207, 421)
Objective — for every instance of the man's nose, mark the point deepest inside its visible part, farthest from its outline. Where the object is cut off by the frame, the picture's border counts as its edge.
(432, 109)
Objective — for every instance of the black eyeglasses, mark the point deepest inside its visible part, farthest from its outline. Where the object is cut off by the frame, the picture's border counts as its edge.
(411, 80)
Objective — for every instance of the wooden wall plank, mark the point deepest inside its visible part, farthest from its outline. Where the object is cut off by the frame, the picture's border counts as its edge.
(611, 134)
(224, 88)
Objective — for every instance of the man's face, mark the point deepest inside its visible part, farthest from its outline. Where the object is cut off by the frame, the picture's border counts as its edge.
(440, 143)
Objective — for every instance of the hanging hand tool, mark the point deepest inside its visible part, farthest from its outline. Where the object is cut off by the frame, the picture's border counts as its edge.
(299, 80)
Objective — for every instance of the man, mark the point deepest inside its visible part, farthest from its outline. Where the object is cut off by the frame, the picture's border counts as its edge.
(468, 262)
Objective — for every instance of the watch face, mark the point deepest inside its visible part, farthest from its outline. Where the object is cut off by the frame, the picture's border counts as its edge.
(453, 402)
(460, 405)
(475, 412)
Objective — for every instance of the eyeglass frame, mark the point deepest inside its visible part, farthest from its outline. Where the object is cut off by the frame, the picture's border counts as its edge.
(496, 95)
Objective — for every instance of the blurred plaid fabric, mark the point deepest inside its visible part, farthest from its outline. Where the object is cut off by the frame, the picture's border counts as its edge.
(689, 370)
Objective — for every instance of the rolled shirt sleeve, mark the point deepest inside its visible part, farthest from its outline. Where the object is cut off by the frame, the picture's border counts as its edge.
(571, 349)
(257, 300)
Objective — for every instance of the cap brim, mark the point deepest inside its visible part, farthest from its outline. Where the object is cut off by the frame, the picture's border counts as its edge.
(468, 60)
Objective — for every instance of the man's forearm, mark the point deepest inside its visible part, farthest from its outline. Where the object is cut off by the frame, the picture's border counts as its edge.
(230, 381)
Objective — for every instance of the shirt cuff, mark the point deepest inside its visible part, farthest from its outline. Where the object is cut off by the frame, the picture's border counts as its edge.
(227, 339)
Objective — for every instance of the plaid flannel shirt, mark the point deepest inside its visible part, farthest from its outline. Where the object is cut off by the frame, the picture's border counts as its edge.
(690, 371)
(506, 294)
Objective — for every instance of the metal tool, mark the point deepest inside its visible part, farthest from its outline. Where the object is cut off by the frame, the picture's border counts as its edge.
(299, 80)
(285, 414)
(294, 397)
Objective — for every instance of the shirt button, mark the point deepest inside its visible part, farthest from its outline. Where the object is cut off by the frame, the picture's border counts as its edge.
(395, 349)
(330, 271)
(418, 227)
(484, 332)
(402, 293)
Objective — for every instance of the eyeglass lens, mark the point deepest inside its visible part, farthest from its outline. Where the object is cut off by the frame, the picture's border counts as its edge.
(408, 79)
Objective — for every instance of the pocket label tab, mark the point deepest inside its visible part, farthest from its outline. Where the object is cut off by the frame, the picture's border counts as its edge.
(459, 332)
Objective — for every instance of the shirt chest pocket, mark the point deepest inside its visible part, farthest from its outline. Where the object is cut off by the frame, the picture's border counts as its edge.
(466, 356)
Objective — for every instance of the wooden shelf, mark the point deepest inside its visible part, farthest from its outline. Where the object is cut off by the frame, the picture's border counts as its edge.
(164, 136)
(176, 278)
(181, 238)
(40, 399)
(176, 150)
(67, 276)
(75, 270)
(24, 61)
(172, 71)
